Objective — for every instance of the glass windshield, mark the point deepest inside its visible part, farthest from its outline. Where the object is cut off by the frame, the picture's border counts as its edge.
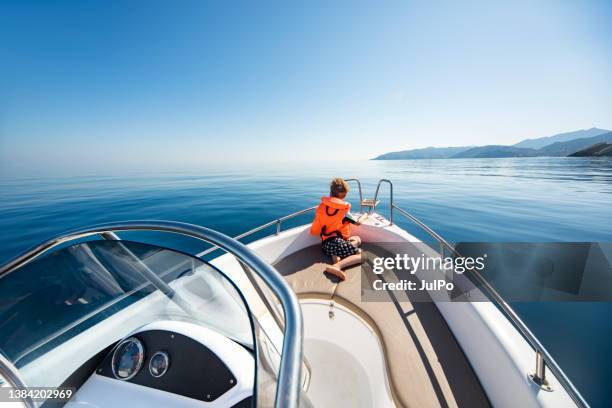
(48, 304)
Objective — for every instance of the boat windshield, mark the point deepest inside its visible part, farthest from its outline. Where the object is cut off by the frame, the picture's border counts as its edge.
(67, 303)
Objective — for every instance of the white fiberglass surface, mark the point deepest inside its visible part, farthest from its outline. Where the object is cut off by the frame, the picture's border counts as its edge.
(346, 359)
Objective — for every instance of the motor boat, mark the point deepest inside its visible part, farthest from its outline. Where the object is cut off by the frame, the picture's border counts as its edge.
(101, 317)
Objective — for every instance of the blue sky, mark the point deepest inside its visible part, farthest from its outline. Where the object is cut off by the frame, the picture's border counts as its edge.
(162, 83)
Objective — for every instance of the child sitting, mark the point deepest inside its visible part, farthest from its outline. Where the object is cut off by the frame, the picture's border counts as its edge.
(332, 223)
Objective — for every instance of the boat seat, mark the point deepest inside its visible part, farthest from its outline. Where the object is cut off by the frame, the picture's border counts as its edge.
(425, 364)
(303, 270)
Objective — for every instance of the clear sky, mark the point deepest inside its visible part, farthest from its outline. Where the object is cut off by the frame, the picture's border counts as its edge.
(135, 83)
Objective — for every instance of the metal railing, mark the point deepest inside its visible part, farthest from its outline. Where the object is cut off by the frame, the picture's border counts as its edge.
(289, 377)
(9, 375)
(360, 192)
(277, 223)
(543, 357)
(390, 198)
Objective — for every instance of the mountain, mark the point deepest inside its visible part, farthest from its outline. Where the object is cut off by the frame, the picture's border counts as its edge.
(598, 149)
(573, 146)
(561, 137)
(426, 153)
(495, 151)
(559, 148)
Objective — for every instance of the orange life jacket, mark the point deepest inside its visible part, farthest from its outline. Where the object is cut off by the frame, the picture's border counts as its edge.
(329, 219)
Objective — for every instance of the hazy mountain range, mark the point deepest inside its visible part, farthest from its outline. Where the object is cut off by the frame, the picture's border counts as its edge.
(563, 144)
(426, 153)
(561, 137)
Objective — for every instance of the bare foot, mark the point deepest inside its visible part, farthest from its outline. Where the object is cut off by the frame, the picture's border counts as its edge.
(335, 271)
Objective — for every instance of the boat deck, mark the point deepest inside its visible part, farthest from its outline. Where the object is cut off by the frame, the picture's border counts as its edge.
(425, 364)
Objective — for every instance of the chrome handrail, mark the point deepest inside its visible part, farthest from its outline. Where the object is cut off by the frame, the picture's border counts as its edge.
(278, 222)
(390, 198)
(543, 357)
(10, 374)
(288, 385)
(360, 192)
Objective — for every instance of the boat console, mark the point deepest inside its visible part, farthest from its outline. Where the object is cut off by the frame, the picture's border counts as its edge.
(177, 362)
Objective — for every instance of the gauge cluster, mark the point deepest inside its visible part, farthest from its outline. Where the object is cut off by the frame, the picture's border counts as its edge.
(170, 362)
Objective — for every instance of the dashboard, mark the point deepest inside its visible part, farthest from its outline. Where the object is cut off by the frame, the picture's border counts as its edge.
(170, 363)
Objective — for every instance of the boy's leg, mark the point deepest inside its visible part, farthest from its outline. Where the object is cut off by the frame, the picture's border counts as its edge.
(336, 269)
(349, 261)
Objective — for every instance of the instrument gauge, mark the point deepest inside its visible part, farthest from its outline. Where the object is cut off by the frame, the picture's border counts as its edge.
(159, 363)
(128, 358)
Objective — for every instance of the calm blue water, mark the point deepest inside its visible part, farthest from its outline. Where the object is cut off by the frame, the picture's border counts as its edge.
(530, 199)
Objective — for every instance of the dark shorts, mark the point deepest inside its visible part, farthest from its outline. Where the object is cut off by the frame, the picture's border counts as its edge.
(339, 247)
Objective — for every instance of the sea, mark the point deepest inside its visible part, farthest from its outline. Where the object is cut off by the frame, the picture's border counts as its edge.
(482, 200)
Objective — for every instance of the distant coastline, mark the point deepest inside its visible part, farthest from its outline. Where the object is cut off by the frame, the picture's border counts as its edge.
(560, 145)
(597, 150)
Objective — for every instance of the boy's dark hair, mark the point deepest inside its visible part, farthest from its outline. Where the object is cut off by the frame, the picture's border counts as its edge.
(338, 186)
